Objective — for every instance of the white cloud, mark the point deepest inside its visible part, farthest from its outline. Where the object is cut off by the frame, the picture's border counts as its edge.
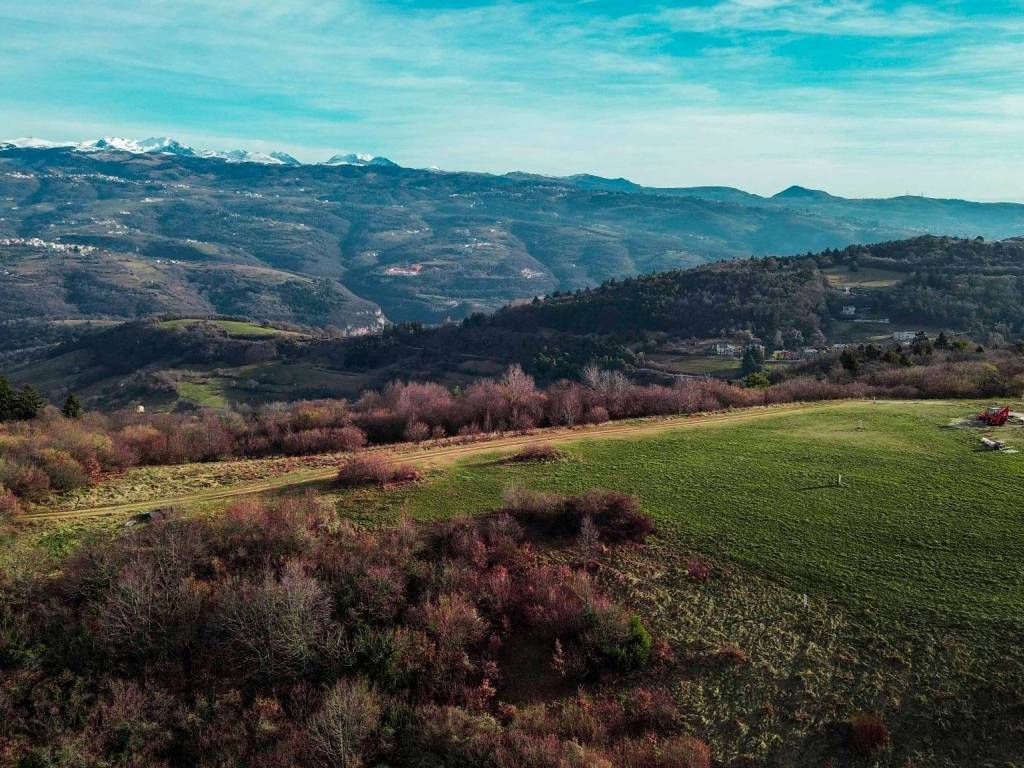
(543, 87)
(839, 17)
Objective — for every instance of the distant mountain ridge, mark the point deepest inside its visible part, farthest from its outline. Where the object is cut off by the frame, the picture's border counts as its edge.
(121, 230)
(167, 146)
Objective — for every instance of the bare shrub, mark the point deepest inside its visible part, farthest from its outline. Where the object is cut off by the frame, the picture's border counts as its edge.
(272, 627)
(416, 432)
(616, 516)
(343, 733)
(536, 453)
(868, 734)
(698, 569)
(374, 469)
(675, 752)
(24, 480)
(9, 505)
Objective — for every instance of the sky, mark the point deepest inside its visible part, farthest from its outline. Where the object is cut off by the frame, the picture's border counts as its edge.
(864, 98)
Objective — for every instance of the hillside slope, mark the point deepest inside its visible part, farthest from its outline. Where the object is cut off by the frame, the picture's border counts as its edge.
(638, 324)
(127, 235)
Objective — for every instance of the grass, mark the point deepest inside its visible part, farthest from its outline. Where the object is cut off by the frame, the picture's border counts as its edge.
(710, 366)
(235, 328)
(913, 569)
(205, 393)
(913, 572)
(923, 527)
(865, 277)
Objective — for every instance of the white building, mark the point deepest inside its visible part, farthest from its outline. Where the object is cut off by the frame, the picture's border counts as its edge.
(726, 350)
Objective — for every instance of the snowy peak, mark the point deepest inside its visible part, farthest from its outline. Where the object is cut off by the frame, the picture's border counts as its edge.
(285, 158)
(113, 143)
(359, 158)
(166, 146)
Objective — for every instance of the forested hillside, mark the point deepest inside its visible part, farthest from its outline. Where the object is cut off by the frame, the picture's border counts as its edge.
(961, 286)
(113, 235)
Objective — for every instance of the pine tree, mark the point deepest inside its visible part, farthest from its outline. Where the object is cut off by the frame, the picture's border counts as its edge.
(6, 400)
(72, 408)
(752, 361)
(28, 403)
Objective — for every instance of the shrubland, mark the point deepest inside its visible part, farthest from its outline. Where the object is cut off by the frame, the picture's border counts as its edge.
(53, 453)
(275, 634)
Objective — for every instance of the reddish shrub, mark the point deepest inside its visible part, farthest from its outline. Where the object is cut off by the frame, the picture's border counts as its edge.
(9, 505)
(649, 709)
(698, 569)
(416, 432)
(24, 480)
(536, 453)
(616, 516)
(374, 469)
(652, 752)
(731, 655)
(868, 734)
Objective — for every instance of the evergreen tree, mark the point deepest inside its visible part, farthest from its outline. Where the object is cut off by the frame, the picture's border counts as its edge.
(6, 400)
(72, 408)
(756, 380)
(28, 403)
(752, 361)
(849, 361)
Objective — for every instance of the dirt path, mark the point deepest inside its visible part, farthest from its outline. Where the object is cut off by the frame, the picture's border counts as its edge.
(437, 456)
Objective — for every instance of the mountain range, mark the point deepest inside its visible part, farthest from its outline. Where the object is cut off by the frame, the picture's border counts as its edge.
(166, 146)
(119, 229)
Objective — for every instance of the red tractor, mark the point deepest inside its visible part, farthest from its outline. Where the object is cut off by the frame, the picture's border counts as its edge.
(995, 416)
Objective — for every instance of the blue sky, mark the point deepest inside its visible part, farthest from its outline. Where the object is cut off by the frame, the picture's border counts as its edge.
(859, 97)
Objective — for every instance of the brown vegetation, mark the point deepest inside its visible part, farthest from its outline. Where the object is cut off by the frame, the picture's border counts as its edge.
(265, 637)
(374, 469)
(53, 453)
(868, 734)
(536, 453)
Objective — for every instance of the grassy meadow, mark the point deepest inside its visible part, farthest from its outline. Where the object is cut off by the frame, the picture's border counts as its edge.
(237, 328)
(923, 522)
(912, 568)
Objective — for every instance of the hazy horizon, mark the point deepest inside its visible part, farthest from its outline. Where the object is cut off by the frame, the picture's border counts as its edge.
(860, 98)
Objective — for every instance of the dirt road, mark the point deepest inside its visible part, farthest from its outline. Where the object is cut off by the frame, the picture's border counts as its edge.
(440, 455)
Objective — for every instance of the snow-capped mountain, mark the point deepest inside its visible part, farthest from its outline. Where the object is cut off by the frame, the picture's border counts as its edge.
(359, 158)
(30, 142)
(245, 156)
(167, 146)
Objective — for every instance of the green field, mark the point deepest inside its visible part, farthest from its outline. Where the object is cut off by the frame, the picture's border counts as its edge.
(865, 277)
(913, 571)
(913, 568)
(237, 328)
(923, 524)
(700, 365)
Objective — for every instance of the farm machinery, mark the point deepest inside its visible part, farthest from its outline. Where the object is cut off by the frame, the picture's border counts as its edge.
(995, 416)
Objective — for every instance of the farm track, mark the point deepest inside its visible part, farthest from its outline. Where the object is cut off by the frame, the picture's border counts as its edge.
(442, 455)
